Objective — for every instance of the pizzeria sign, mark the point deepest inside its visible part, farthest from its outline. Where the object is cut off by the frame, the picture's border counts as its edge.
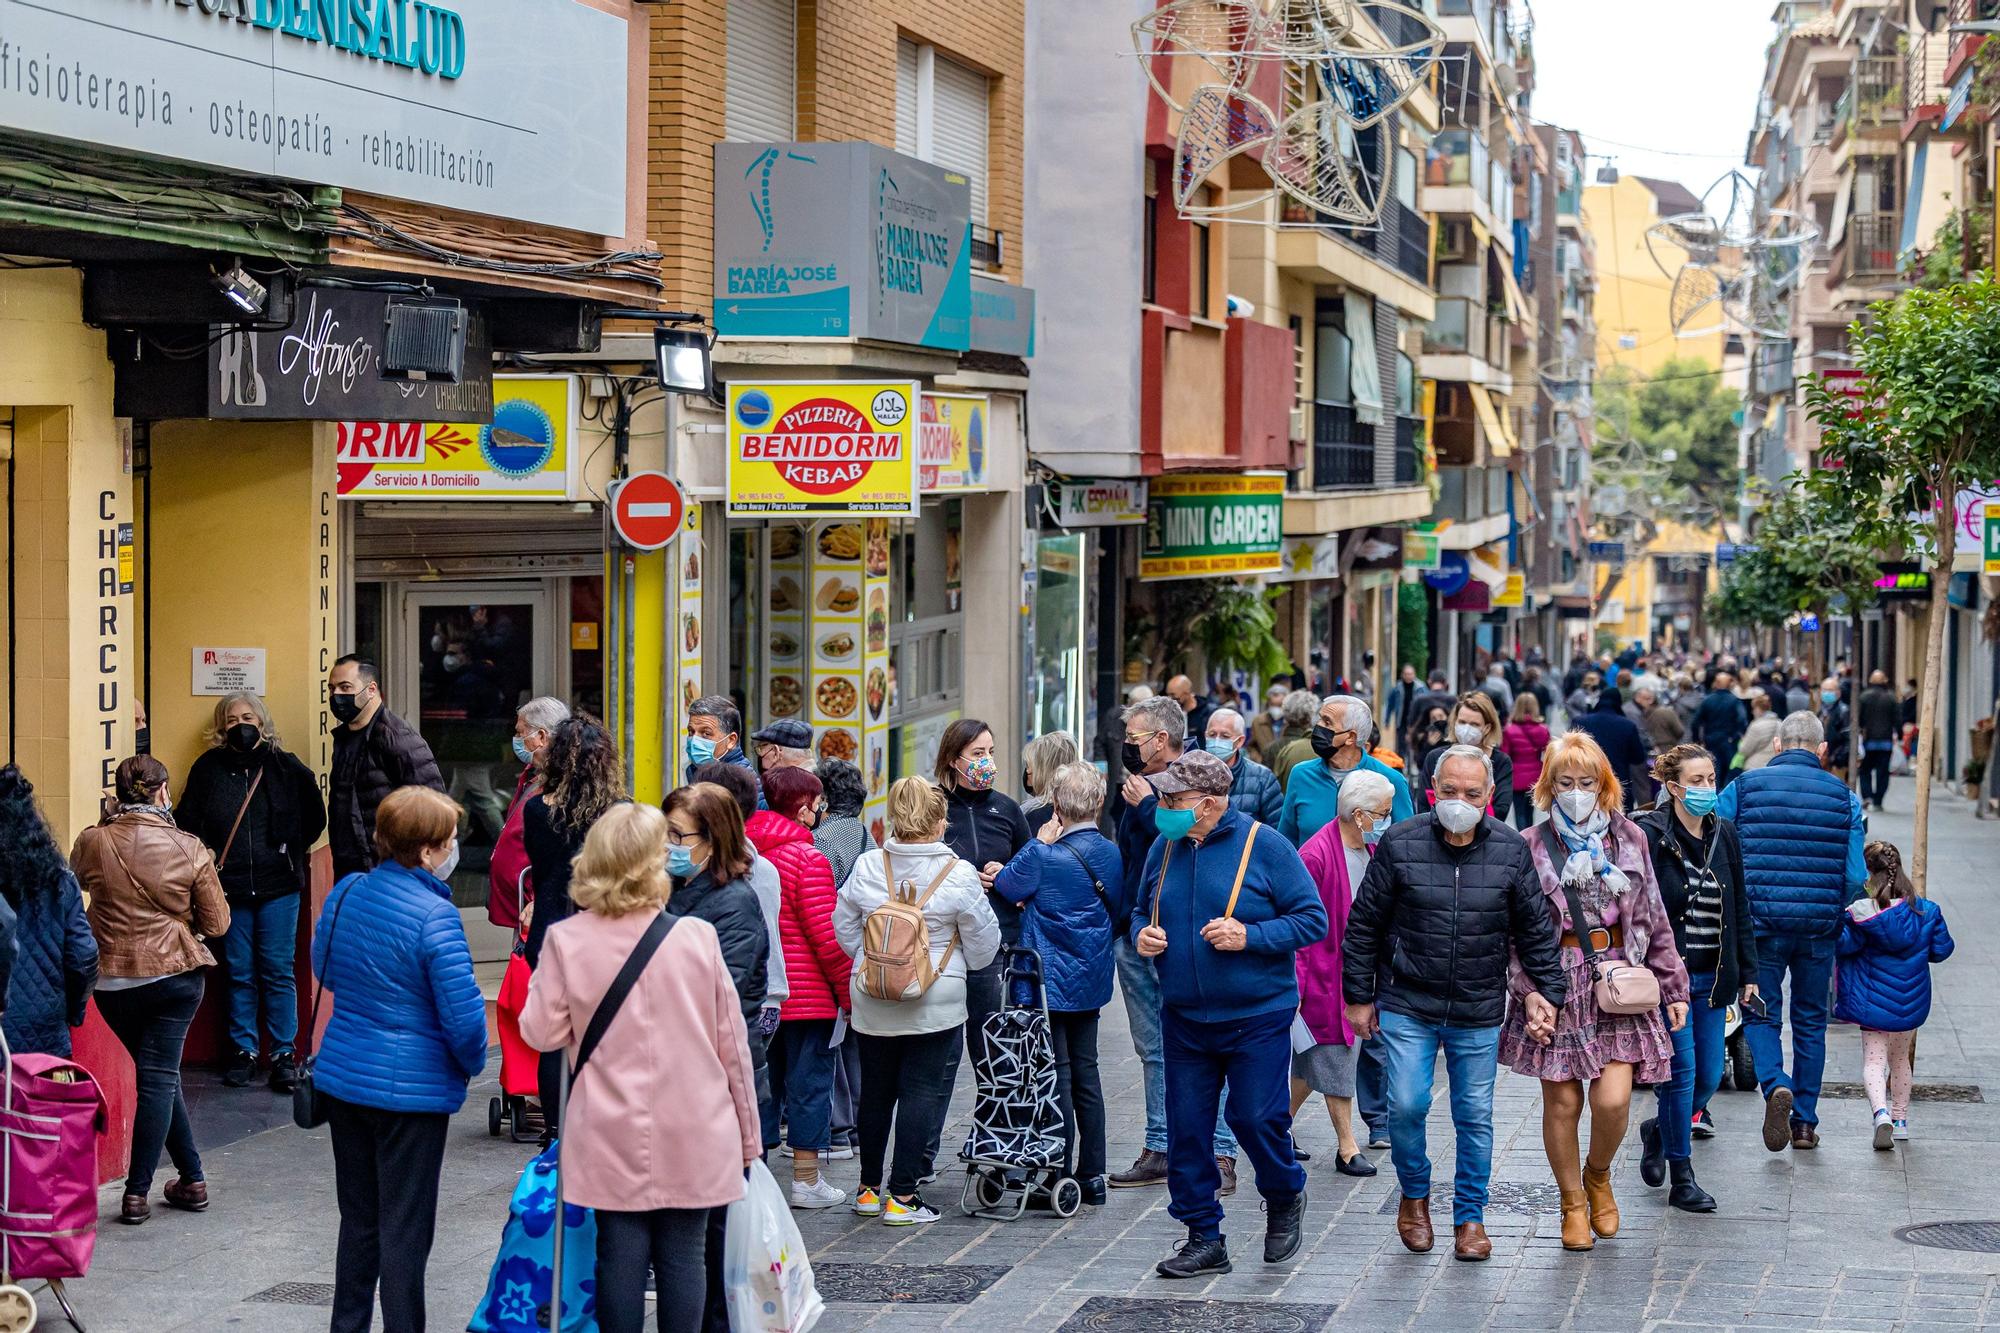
(823, 449)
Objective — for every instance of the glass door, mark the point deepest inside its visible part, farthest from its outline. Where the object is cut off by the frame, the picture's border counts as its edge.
(468, 656)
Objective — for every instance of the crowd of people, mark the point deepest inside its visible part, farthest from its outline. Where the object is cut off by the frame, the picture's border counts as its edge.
(1576, 877)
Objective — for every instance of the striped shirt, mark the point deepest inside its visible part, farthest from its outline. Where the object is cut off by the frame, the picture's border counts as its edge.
(1701, 919)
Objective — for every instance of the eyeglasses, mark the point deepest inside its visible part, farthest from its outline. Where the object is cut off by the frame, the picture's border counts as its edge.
(680, 839)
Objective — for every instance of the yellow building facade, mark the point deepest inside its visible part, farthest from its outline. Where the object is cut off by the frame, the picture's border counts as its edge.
(1634, 295)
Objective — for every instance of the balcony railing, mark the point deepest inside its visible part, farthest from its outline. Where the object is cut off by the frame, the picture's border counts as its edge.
(1877, 90)
(1343, 448)
(1458, 327)
(1923, 71)
(1413, 243)
(1409, 450)
(1873, 240)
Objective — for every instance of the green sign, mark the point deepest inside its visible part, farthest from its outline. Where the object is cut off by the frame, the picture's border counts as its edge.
(1213, 525)
(1992, 541)
(1421, 549)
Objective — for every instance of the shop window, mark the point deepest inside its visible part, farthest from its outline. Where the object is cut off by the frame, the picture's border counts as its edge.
(758, 104)
(1059, 693)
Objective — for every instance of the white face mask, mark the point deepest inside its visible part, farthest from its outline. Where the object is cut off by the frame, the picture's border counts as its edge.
(1469, 735)
(444, 868)
(1458, 816)
(1578, 805)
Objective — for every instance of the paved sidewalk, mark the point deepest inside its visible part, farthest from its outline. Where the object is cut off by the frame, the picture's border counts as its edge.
(1800, 1242)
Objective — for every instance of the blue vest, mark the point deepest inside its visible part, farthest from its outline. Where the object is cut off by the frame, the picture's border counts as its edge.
(1795, 819)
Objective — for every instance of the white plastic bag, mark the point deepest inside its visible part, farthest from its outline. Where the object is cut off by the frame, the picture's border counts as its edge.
(766, 1278)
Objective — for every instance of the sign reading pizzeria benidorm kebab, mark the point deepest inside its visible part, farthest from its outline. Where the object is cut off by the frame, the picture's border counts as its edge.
(823, 450)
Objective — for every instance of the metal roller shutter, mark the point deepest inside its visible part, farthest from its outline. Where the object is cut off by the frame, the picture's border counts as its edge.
(906, 97)
(406, 540)
(763, 73)
(958, 133)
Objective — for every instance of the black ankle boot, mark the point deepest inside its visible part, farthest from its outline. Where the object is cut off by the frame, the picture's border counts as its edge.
(1652, 1154)
(1686, 1195)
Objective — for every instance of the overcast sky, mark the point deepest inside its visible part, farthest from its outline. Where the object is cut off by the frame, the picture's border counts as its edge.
(1682, 76)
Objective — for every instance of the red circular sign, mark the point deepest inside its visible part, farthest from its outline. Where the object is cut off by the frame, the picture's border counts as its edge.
(647, 509)
(825, 447)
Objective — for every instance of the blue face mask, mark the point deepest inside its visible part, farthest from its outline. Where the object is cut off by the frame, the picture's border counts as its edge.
(1173, 824)
(680, 863)
(1699, 800)
(1828, 696)
(1374, 835)
(1221, 747)
(700, 750)
(521, 751)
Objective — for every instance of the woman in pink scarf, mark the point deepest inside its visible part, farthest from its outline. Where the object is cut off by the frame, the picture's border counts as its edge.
(1337, 858)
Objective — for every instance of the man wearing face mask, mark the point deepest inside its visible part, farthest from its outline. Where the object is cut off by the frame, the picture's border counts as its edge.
(1223, 913)
(1339, 740)
(1451, 897)
(714, 735)
(1836, 719)
(507, 874)
(784, 744)
(374, 752)
(1267, 729)
(1252, 788)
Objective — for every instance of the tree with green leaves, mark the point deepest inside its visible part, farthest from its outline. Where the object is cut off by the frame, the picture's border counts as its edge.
(1683, 410)
(1923, 425)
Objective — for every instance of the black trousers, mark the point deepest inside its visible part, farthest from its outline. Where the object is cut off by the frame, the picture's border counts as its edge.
(385, 1174)
(907, 1081)
(1082, 1093)
(151, 1022)
(1874, 776)
(667, 1242)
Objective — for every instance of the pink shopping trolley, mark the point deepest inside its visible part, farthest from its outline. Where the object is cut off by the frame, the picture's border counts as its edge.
(51, 1112)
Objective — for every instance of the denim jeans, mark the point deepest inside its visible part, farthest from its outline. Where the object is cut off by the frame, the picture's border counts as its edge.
(801, 1065)
(1139, 983)
(261, 952)
(1698, 1058)
(1810, 963)
(1371, 1087)
(1255, 1055)
(1471, 1060)
(151, 1022)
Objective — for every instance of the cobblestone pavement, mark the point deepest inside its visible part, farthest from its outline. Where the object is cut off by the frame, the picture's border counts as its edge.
(1801, 1241)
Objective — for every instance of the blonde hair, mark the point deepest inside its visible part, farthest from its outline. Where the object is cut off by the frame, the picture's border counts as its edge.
(218, 731)
(1481, 703)
(623, 865)
(916, 808)
(1045, 754)
(1576, 749)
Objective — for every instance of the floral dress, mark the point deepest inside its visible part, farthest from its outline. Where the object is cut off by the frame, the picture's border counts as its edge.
(1586, 1038)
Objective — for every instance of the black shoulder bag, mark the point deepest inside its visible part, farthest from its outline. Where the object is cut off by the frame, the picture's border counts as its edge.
(1095, 883)
(308, 1110)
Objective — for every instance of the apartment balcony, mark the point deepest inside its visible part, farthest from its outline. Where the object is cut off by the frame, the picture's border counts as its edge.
(1409, 450)
(1413, 243)
(1461, 178)
(1874, 101)
(1343, 449)
(1873, 241)
(1925, 88)
(1346, 491)
(1390, 262)
(1465, 342)
(1967, 11)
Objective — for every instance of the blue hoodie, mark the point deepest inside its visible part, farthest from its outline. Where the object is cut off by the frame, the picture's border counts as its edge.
(1279, 907)
(1885, 965)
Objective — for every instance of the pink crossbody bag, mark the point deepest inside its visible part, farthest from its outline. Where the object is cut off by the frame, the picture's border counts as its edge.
(1618, 987)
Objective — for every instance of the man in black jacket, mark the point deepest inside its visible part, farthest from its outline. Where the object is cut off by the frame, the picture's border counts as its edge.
(1719, 725)
(374, 752)
(1881, 721)
(1449, 896)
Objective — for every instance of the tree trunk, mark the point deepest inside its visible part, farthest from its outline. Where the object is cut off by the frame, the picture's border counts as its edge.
(1858, 638)
(1932, 681)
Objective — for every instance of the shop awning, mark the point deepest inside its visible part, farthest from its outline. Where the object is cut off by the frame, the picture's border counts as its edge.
(1499, 440)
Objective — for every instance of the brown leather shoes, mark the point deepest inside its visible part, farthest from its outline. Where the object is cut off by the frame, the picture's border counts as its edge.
(1149, 1169)
(1804, 1138)
(134, 1209)
(1603, 1207)
(1470, 1243)
(190, 1196)
(1413, 1224)
(1227, 1166)
(1576, 1221)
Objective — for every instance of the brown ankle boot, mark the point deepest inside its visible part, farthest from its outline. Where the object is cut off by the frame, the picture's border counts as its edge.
(1576, 1221)
(1603, 1208)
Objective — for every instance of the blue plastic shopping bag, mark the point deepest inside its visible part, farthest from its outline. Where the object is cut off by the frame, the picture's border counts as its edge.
(517, 1292)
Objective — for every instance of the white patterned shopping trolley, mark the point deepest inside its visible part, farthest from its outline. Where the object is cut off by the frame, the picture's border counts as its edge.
(1016, 1152)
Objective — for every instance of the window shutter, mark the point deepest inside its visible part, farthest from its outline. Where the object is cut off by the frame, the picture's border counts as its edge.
(958, 135)
(763, 76)
(906, 96)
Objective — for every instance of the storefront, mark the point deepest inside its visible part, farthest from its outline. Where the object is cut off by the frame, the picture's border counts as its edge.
(1087, 526)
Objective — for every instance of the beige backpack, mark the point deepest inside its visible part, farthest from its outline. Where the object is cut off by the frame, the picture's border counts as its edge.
(896, 940)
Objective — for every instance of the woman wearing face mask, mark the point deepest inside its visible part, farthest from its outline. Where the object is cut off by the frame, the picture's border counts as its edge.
(986, 828)
(408, 1032)
(1337, 857)
(258, 810)
(507, 873)
(1475, 722)
(1699, 860)
(1593, 862)
(154, 899)
(1524, 739)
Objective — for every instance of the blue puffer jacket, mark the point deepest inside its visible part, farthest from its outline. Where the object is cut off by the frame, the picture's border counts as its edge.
(1885, 966)
(1802, 831)
(1255, 791)
(55, 966)
(1062, 918)
(409, 1024)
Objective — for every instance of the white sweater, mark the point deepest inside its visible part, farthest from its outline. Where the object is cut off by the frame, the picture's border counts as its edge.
(959, 904)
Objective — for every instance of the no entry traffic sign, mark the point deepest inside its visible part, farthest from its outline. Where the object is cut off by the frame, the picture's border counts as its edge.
(647, 509)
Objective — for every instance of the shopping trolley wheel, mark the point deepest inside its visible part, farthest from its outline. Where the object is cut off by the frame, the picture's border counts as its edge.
(1065, 1197)
(989, 1189)
(17, 1309)
(495, 1116)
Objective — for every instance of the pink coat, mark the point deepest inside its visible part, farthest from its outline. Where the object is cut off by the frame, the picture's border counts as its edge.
(1320, 1001)
(665, 1113)
(1524, 743)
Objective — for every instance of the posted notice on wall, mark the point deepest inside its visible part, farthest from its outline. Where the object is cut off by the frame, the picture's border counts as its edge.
(219, 671)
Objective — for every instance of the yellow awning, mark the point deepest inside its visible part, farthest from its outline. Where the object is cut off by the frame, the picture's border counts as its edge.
(1499, 441)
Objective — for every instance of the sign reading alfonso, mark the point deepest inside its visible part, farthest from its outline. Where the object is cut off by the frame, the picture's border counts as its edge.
(823, 450)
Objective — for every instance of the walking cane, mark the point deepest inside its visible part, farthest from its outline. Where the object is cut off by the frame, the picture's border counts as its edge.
(556, 1252)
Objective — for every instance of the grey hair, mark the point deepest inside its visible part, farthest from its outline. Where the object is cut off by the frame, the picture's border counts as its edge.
(1363, 787)
(218, 735)
(1465, 752)
(1077, 792)
(1044, 755)
(1165, 714)
(1800, 731)
(543, 714)
(1301, 707)
(1229, 713)
(1355, 715)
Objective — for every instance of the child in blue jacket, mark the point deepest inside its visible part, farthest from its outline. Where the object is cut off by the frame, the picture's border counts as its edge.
(1887, 945)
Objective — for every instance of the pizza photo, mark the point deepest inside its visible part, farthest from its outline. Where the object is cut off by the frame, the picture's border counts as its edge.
(835, 697)
(787, 696)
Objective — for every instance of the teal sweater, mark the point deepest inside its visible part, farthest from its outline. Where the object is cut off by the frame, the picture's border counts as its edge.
(1312, 798)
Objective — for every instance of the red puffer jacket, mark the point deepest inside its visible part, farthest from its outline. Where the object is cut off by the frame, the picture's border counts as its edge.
(815, 967)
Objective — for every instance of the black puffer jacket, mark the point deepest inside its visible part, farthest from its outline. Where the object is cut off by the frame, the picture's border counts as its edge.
(273, 847)
(739, 927)
(368, 765)
(1737, 960)
(1434, 926)
(983, 826)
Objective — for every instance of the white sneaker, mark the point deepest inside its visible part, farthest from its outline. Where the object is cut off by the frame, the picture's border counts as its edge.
(1902, 1130)
(1884, 1130)
(896, 1213)
(816, 1194)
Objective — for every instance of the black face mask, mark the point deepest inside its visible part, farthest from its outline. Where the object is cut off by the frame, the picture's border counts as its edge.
(1324, 744)
(142, 740)
(245, 737)
(344, 707)
(1135, 758)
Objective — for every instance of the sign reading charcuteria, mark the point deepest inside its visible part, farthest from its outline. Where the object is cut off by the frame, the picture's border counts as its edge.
(823, 449)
